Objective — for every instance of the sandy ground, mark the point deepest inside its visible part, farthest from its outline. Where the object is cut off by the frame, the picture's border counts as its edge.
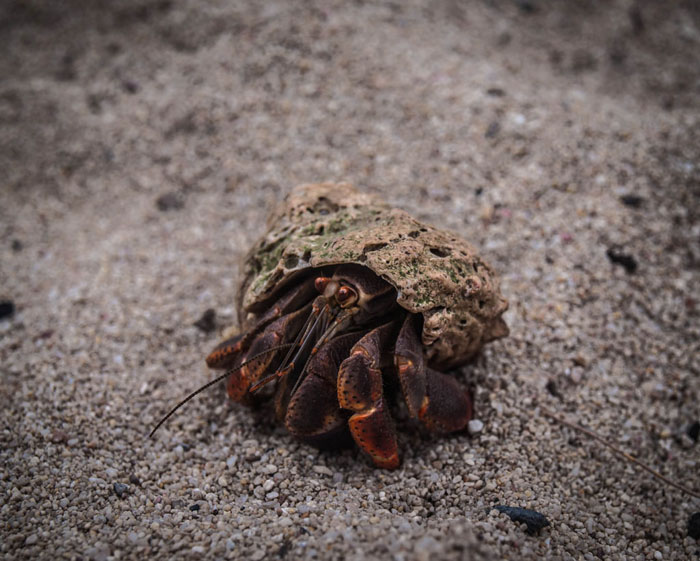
(141, 147)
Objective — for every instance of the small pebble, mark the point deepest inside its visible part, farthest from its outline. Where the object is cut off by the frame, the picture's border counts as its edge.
(323, 470)
(496, 92)
(130, 86)
(169, 201)
(31, 539)
(534, 520)
(630, 200)
(120, 489)
(627, 262)
(57, 435)
(7, 309)
(492, 130)
(207, 321)
(475, 426)
(694, 526)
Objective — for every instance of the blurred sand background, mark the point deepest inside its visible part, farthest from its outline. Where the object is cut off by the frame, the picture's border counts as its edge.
(142, 143)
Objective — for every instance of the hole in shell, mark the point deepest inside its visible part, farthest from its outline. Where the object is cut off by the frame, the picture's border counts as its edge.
(291, 261)
(414, 234)
(440, 251)
(373, 247)
(323, 206)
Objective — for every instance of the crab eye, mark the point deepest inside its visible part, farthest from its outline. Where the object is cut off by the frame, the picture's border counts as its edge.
(321, 283)
(346, 296)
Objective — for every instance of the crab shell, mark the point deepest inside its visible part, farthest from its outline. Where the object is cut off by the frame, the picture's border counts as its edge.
(434, 272)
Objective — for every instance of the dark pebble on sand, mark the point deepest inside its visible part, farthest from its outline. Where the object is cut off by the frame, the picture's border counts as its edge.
(628, 262)
(492, 129)
(130, 87)
(207, 322)
(120, 489)
(694, 526)
(7, 309)
(169, 201)
(527, 6)
(633, 201)
(534, 520)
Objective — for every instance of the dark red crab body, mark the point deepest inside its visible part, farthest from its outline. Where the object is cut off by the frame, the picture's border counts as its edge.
(344, 295)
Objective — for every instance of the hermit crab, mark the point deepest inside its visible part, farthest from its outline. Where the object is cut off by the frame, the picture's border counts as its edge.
(345, 298)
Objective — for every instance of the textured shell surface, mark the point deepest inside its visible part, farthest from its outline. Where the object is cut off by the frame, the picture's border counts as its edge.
(435, 273)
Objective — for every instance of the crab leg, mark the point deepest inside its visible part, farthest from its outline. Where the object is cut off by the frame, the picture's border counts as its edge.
(263, 352)
(291, 364)
(360, 389)
(297, 353)
(438, 400)
(313, 414)
(338, 321)
(227, 353)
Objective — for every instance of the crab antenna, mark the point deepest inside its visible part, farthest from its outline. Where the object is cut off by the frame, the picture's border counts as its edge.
(328, 332)
(625, 455)
(214, 381)
(302, 337)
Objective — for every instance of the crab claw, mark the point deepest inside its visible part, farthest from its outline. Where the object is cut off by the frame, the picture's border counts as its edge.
(313, 414)
(360, 390)
(440, 402)
(226, 353)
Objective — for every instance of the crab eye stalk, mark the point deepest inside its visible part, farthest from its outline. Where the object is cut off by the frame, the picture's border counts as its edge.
(321, 283)
(346, 296)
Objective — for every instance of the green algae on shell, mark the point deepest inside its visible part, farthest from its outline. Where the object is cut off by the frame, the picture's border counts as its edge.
(435, 273)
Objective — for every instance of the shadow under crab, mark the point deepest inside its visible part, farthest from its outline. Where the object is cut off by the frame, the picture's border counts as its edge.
(344, 293)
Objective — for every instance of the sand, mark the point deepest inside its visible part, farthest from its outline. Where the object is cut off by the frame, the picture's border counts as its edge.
(142, 145)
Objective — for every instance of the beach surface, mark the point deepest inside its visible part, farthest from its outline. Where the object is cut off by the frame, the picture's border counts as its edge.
(143, 144)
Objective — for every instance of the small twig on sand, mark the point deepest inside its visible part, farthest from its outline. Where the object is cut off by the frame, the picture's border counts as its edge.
(628, 457)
